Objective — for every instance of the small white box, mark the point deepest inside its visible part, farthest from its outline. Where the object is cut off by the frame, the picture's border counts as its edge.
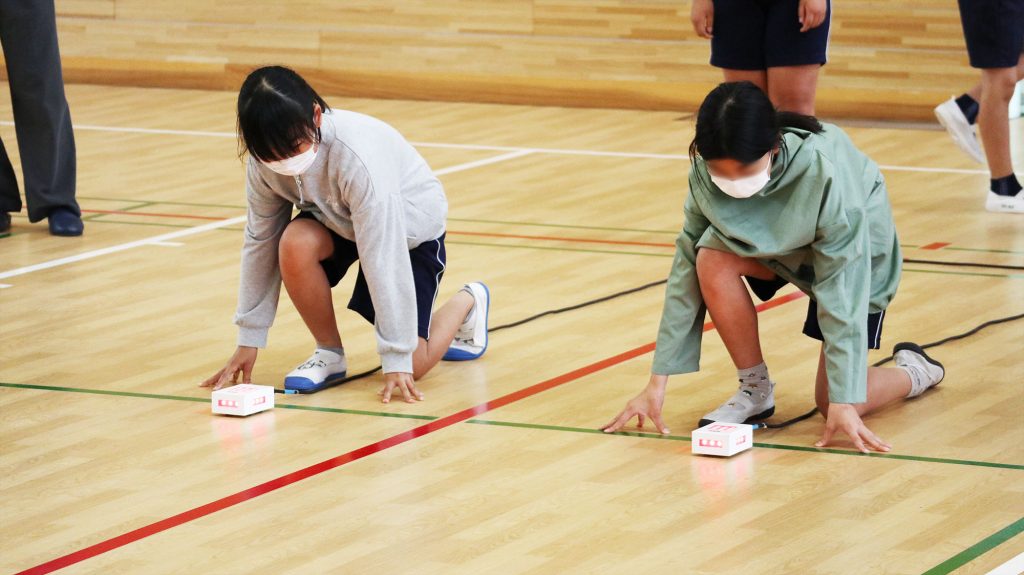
(723, 439)
(243, 399)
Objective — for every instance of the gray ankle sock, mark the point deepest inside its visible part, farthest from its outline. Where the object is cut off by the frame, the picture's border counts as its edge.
(338, 350)
(756, 376)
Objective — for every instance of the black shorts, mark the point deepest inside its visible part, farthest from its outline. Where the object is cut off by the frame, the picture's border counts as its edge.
(765, 290)
(994, 31)
(762, 34)
(428, 264)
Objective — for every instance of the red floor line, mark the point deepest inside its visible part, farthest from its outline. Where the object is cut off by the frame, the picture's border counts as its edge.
(563, 239)
(356, 454)
(935, 246)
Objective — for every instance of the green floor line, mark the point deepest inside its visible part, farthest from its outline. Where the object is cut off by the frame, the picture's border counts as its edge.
(759, 444)
(520, 425)
(207, 400)
(983, 250)
(978, 549)
(169, 203)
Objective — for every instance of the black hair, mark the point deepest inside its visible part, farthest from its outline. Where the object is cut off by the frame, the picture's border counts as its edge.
(738, 121)
(275, 113)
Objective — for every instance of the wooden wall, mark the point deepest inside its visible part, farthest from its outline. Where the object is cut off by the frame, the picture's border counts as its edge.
(888, 59)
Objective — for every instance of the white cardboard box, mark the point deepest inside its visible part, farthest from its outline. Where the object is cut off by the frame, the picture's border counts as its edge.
(243, 399)
(722, 439)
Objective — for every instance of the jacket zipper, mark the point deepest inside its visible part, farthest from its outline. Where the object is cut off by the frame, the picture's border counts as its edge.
(298, 180)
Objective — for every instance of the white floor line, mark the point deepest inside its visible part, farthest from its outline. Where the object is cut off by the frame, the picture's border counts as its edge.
(553, 151)
(167, 244)
(483, 162)
(5, 286)
(1014, 566)
(164, 239)
(121, 247)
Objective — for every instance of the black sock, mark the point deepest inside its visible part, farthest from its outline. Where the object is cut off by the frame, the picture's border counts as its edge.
(969, 107)
(1006, 186)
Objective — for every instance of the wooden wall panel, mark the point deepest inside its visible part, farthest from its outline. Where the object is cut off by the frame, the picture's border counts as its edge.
(890, 60)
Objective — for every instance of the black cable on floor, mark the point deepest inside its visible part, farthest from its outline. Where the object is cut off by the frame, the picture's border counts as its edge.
(648, 286)
(963, 264)
(517, 323)
(886, 360)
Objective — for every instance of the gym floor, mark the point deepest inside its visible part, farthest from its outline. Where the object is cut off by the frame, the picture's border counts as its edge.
(110, 461)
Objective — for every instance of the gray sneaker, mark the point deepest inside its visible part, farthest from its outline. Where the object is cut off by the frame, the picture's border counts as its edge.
(751, 402)
(924, 371)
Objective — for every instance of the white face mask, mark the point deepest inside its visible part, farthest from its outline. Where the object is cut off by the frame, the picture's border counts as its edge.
(744, 187)
(295, 165)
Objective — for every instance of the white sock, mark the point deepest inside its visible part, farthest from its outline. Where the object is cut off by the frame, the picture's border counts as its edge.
(756, 376)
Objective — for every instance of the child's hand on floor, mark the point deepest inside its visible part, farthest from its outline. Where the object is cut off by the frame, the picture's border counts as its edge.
(843, 417)
(647, 404)
(399, 381)
(241, 362)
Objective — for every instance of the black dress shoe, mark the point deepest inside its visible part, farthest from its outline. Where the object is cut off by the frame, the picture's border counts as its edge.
(64, 222)
(5, 223)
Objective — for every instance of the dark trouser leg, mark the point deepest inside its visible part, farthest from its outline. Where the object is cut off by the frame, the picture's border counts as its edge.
(10, 200)
(28, 32)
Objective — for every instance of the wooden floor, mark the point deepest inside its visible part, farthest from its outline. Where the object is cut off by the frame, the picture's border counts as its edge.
(103, 430)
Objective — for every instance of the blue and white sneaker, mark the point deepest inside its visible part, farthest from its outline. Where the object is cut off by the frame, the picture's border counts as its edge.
(319, 371)
(471, 339)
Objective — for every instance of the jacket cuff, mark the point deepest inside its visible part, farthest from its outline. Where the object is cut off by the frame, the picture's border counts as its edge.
(253, 336)
(393, 362)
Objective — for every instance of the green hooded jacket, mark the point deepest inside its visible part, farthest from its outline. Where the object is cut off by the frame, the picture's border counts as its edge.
(823, 223)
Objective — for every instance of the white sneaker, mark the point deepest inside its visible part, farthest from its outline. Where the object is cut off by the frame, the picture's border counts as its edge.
(962, 132)
(1005, 204)
(319, 371)
(471, 339)
(751, 402)
(924, 371)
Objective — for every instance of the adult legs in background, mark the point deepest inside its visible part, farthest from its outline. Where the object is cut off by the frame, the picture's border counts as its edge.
(28, 32)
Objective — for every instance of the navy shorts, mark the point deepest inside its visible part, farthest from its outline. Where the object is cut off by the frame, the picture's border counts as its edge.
(428, 263)
(994, 31)
(765, 290)
(762, 34)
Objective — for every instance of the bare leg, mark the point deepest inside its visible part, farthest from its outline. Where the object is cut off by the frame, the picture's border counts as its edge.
(793, 88)
(304, 243)
(758, 77)
(975, 91)
(885, 385)
(443, 326)
(729, 303)
(997, 85)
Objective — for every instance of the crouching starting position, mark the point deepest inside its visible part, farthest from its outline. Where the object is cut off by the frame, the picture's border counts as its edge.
(779, 198)
(363, 193)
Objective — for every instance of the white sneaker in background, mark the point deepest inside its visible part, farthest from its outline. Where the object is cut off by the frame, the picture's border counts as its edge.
(962, 132)
(1005, 204)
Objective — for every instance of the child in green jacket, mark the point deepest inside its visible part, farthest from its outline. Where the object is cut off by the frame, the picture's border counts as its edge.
(777, 198)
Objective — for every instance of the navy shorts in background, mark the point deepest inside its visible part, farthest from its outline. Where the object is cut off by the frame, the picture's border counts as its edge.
(994, 32)
(428, 263)
(762, 34)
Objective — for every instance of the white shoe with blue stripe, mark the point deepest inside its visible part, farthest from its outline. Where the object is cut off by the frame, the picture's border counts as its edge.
(471, 339)
(319, 371)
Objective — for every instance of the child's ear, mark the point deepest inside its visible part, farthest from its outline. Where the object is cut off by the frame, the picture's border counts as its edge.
(317, 114)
